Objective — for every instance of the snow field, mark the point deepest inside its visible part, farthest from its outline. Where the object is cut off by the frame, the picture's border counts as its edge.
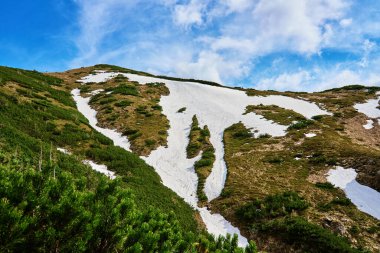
(363, 197)
(216, 107)
(219, 108)
(370, 109)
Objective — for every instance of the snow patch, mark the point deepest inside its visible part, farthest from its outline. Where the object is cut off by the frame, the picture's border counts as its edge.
(310, 135)
(371, 110)
(100, 168)
(363, 197)
(96, 92)
(65, 151)
(369, 124)
(99, 77)
(217, 225)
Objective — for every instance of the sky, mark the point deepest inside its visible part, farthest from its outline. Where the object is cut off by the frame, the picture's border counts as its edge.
(297, 45)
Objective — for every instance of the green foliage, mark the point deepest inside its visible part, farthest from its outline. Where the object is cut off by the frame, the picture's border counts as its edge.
(356, 87)
(123, 103)
(150, 142)
(317, 117)
(307, 236)
(264, 136)
(301, 124)
(272, 206)
(326, 185)
(343, 201)
(181, 110)
(60, 214)
(124, 89)
(243, 134)
(157, 107)
(26, 126)
(35, 82)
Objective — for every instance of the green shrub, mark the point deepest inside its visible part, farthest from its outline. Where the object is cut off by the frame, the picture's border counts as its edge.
(157, 107)
(150, 142)
(181, 110)
(203, 163)
(326, 185)
(123, 103)
(300, 124)
(317, 117)
(264, 136)
(126, 89)
(341, 201)
(307, 236)
(242, 134)
(39, 213)
(272, 206)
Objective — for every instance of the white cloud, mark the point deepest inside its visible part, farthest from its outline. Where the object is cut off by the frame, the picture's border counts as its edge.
(295, 81)
(368, 46)
(97, 19)
(211, 66)
(345, 22)
(300, 26)
(189, 14)
(318, 80)
(226, 36)
(237, 5)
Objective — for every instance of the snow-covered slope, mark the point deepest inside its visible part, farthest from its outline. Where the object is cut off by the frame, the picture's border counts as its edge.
(371, 109)
(216, 107)
(364, 197)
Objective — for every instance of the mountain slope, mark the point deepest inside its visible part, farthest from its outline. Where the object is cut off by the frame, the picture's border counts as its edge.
(284, 155)
(262, 156)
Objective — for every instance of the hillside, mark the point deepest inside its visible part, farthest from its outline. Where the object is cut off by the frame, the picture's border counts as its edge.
(293, 172)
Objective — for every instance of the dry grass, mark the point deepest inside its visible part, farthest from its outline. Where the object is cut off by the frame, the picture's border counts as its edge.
(265, 166)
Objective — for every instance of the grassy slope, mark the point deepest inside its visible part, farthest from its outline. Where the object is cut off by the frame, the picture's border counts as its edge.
(37, 110)
(265, 166)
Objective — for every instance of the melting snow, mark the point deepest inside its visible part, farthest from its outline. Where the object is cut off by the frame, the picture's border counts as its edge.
(369, 124)
(65, 151)
(365, 198)
(216, 107)
(310, 135)
(99, 77)
(100, 168)
(95, 92)
(371, 110)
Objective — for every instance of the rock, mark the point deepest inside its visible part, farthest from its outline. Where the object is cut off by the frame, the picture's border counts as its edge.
(335, 225)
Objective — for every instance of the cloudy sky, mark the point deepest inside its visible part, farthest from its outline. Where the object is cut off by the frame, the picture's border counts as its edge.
(300, 45)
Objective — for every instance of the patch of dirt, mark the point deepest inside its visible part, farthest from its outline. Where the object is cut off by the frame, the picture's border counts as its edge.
(318, 177)
(368, 137)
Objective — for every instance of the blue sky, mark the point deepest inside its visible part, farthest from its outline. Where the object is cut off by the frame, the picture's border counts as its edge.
(301, 45)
